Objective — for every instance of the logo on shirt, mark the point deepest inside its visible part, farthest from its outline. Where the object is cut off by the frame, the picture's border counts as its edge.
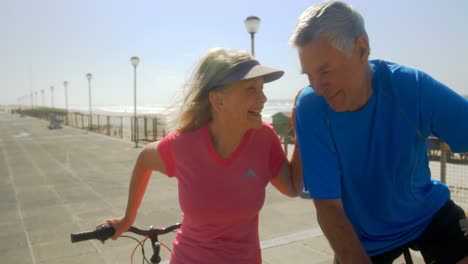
(250, 174)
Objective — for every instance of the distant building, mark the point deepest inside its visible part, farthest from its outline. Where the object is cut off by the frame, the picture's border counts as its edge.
(280, 122)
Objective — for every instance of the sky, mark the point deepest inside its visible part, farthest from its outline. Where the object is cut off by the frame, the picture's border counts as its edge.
(46, 42)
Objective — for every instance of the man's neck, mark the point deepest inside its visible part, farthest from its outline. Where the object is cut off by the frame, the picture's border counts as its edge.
(366, 91)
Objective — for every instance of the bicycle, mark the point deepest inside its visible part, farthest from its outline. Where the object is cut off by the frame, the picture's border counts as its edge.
(406, 255)
(463, 226)
(106, 231)
(406, 251)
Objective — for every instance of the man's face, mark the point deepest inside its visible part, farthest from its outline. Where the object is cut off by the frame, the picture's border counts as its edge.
(336, 76)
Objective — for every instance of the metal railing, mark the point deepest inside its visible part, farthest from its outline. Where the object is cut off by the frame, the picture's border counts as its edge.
(450, 168)
(149, 128)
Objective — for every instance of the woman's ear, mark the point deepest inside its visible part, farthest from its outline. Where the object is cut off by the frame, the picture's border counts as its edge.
(216, 101)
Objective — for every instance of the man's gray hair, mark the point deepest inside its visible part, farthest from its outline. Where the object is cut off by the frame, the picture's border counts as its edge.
(338, 21)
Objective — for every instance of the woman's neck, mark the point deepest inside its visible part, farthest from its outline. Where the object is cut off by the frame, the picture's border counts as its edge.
(225, 138)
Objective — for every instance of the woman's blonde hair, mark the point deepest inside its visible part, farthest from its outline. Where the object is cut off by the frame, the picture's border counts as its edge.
(196, 108)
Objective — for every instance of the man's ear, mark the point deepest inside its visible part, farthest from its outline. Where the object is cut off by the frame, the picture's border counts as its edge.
(362, 47)
(216, 100)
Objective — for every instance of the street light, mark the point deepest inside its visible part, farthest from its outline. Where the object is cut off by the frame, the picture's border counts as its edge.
(135, 61)
(65, 84)
(252, 23)
(52, 95)
(42, 94)
(89, 76)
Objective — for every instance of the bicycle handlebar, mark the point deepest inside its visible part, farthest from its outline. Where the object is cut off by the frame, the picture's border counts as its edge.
(106, 231)
(153, 231)
(102, 233)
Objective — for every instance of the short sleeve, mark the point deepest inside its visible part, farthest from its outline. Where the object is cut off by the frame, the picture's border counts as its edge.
(165, 151)
(277, 158)
(320, 164)
(445, 113)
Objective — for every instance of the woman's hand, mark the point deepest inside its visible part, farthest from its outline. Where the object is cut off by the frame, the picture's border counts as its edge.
(120, 224)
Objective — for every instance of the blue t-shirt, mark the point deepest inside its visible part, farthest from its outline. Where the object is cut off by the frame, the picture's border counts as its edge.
(375, 160)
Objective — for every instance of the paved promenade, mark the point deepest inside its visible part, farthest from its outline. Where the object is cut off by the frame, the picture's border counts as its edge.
(55, 182)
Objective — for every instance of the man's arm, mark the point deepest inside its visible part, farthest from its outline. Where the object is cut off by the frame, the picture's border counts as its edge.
(339, 231)
(444, 113)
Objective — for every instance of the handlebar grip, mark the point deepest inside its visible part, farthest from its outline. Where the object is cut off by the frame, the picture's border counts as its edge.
(102, 233)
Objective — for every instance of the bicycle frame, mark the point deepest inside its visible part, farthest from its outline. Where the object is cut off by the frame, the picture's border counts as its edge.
(407, 256)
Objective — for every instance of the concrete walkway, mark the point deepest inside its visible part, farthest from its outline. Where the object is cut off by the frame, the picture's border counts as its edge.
(55, 182)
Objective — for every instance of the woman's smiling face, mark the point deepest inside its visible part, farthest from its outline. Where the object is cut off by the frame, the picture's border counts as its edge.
(242, 103)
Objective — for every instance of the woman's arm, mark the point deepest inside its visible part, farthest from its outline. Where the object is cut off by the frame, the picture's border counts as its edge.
(147, 161)
(289, 180)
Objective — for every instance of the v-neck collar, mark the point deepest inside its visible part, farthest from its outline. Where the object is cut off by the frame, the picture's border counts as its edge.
(234, 155)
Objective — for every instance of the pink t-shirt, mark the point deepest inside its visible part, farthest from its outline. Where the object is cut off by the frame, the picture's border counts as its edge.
(220, 198)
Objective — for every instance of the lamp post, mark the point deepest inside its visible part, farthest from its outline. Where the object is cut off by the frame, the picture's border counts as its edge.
(252, 23)
(42, 95)
(52, 96)
(65, 85)
(35, 99)
(135, 61)
(89, 76)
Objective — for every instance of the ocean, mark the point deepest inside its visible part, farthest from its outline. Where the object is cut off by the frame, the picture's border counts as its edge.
(271, 107)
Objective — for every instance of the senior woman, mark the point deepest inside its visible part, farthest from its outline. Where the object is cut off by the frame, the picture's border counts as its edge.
(223, 156)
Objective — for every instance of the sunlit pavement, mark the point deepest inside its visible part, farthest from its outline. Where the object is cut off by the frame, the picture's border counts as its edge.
(55, 182)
